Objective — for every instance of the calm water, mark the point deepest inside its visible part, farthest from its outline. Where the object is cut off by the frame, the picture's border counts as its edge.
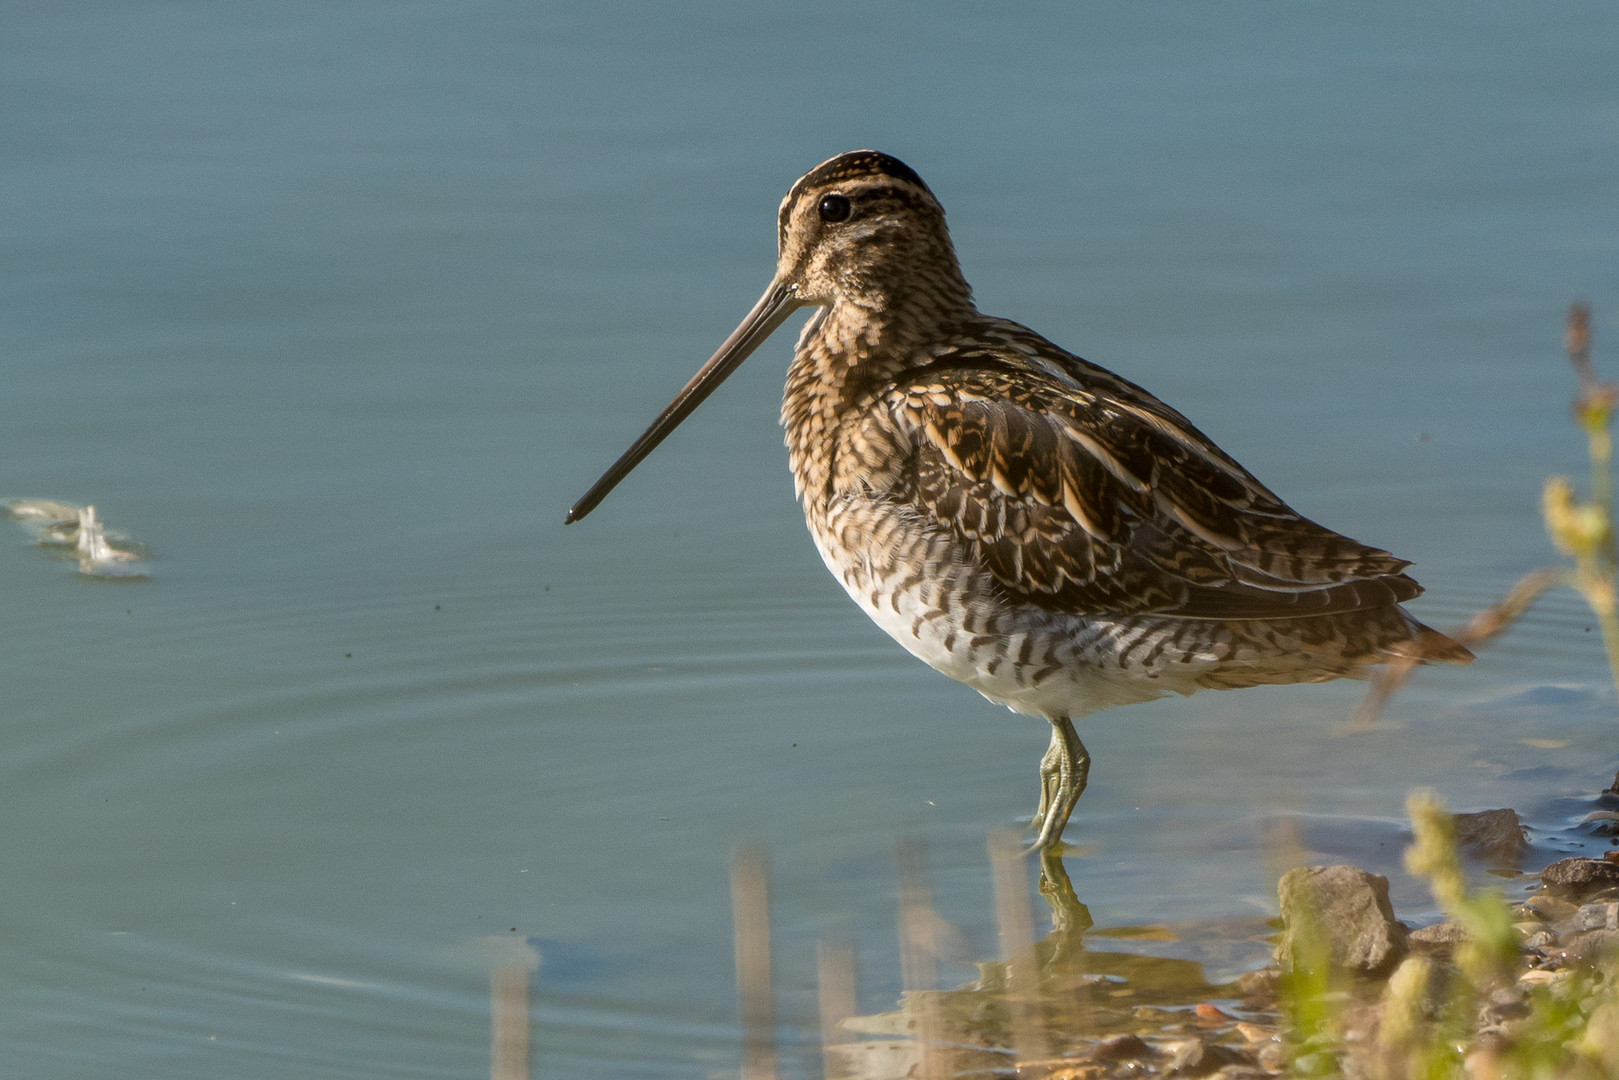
(336, 308)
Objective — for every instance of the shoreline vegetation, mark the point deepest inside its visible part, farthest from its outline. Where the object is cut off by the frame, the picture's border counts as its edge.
(1497, 990)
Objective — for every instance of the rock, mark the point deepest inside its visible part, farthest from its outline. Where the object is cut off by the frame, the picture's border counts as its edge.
(1506, 1003)
(1273, 1057)
(1210, 1013)
(1591, 945)
(1601, 822)
(1151, 1016)
(1540, 941)
(1256, 1032)
(1540, 977)
(1198, 1058)
(1579, 873)
(1358, 1019)
(1347, 910)
(1597, 917)
(1494, 834)
(1414, 993)
(1440, 938)
(1121, 1048)
(1257, 988)
(1547, 906)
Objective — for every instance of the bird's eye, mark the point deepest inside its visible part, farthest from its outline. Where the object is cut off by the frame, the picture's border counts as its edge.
(834, 208)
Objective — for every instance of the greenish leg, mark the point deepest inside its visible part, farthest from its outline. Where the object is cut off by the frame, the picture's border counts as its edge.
(1063, 772)
(1048, 778)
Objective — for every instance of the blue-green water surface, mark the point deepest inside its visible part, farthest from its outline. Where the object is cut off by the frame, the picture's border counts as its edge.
(335, 308)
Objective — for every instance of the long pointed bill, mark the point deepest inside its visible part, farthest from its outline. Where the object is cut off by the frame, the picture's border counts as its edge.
(778, 302)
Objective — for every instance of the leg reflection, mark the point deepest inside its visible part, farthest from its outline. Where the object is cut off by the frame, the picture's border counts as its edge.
(1070, 918)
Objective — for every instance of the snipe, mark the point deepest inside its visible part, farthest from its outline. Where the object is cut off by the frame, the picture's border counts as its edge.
(1026, 522)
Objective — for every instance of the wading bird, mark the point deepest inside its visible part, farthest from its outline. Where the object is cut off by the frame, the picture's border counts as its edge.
(1026, 522)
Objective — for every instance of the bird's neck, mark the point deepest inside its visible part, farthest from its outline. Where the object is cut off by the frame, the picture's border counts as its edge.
(847, 358)
(886, 329)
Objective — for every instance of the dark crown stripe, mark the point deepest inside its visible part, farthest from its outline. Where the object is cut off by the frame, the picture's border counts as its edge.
(859, 164)
(855, 165)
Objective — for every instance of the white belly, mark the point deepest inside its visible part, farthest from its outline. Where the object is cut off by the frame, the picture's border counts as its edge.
(1039, 664)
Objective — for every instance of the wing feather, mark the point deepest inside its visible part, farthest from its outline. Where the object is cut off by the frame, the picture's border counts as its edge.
(1100, 499)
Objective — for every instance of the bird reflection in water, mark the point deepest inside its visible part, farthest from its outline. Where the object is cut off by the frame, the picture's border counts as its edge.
(1044, 1005)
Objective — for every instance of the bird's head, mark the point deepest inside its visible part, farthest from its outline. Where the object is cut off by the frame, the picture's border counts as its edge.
(864, 229)
(861, 230)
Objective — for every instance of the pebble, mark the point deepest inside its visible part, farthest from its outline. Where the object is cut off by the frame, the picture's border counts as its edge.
(1548, 906)
(1542, 977)
(1256, 1032)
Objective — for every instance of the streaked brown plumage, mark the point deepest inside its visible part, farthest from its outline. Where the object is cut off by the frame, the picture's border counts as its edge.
(1028, 523)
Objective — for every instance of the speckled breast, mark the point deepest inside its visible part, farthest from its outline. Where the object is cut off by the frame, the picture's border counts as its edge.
(917, 585)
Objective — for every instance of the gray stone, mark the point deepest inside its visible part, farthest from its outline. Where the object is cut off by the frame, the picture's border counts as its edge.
(1597, 917)
(1344, 908)
(1579, 872)
(1493, 834)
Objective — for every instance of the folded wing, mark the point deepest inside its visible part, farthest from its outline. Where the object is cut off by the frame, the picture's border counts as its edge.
(1113, 503)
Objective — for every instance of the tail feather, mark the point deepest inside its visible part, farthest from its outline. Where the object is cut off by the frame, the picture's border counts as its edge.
(1429, 646)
